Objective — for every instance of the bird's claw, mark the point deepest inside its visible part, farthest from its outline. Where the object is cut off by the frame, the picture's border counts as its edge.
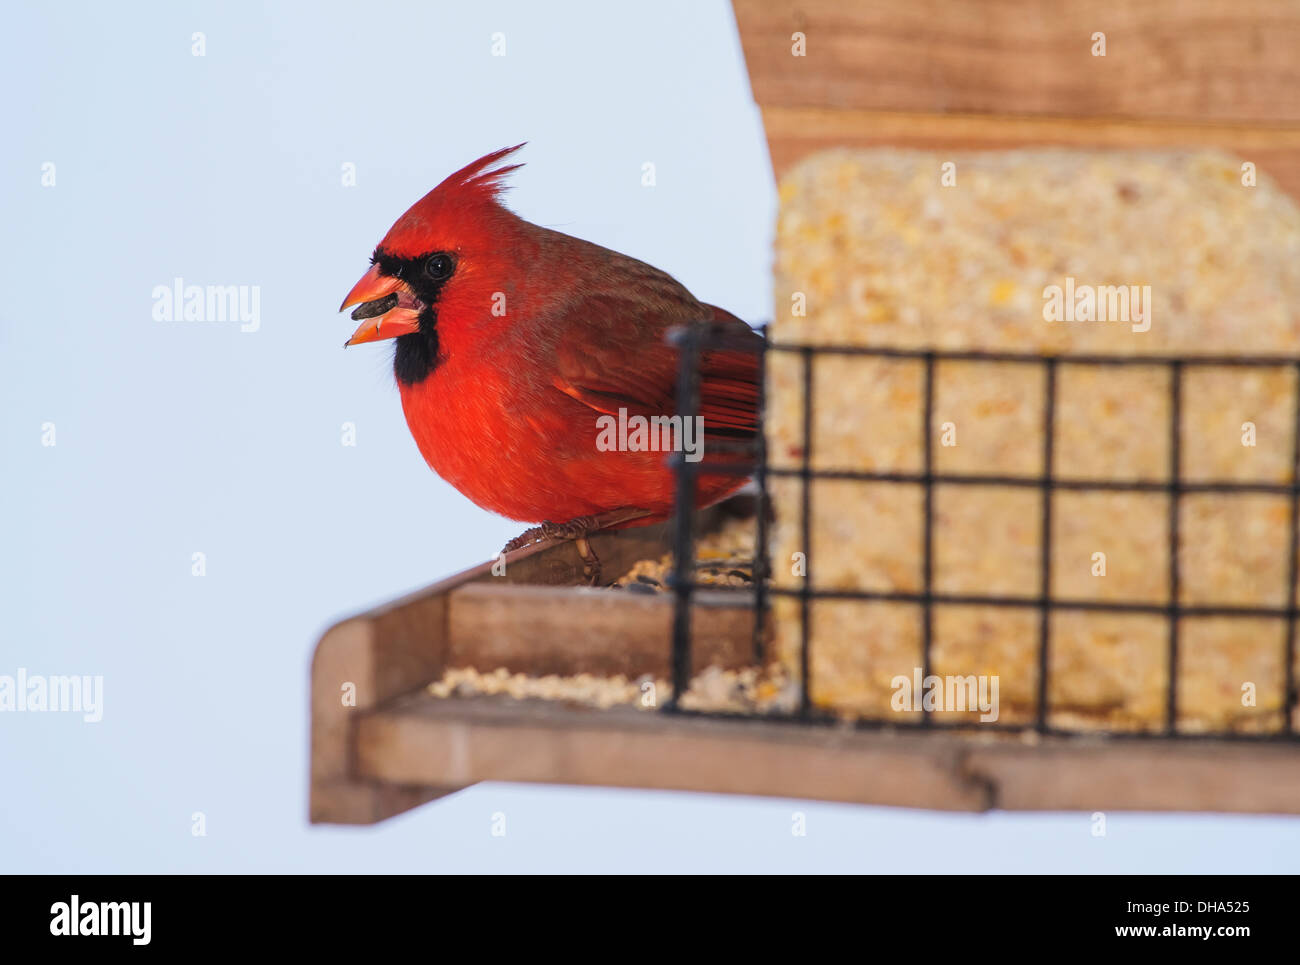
(573, 529)
(577, 530)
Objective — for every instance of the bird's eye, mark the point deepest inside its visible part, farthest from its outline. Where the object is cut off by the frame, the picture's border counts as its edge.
(439, 267)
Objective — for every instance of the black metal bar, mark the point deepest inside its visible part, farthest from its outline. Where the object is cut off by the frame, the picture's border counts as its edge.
(927, 548)
(1036, 482)
(1035, 602)
(1288, 658)
(683, 577)
(762, 567)
(1033, 358)
(1045, 555)
(1175, 477)
(805, 523)
(1133, 607)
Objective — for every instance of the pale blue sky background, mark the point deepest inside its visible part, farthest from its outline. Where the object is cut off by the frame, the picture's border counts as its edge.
(181, 437)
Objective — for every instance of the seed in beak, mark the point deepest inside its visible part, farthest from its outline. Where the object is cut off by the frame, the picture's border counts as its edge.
(378, 307)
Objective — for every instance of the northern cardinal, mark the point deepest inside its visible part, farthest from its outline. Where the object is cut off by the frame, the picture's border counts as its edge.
(512, 340)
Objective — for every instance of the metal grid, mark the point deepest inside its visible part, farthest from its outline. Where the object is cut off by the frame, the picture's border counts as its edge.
(697, 339)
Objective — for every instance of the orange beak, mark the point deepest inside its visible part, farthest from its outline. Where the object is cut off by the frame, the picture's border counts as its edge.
(382, 310)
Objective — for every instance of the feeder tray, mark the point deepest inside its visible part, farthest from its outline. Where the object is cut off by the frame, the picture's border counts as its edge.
(400, 746)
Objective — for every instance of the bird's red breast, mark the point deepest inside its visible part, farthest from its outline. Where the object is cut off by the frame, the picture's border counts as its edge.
(518, 345)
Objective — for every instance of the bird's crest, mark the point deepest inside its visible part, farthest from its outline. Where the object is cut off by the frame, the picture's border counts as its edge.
(475, 178)
(450, 207)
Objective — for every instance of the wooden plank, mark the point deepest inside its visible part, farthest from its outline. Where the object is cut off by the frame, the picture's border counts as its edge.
(1142, 775)
(549, 630)
(794, 133)
(426, 741)
(402, 646)
(1182, 59)
(366, 660)
(348, 657)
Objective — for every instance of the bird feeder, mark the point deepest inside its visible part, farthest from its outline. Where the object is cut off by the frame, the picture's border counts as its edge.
(1105, 536)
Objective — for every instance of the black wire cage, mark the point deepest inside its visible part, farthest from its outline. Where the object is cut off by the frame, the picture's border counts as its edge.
(693, 341)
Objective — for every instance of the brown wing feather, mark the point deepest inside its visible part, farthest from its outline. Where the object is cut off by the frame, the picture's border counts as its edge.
(632, 366)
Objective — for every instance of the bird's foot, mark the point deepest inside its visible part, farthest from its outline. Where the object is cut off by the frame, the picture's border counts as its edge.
(573, 529)
(577, 530)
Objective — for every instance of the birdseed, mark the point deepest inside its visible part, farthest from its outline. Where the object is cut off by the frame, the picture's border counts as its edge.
(875, 251)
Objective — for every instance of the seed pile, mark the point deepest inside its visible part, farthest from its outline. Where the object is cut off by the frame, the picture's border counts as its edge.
(724, 557)
(739, 691)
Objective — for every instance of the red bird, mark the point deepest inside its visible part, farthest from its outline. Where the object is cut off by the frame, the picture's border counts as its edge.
(512, 340)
